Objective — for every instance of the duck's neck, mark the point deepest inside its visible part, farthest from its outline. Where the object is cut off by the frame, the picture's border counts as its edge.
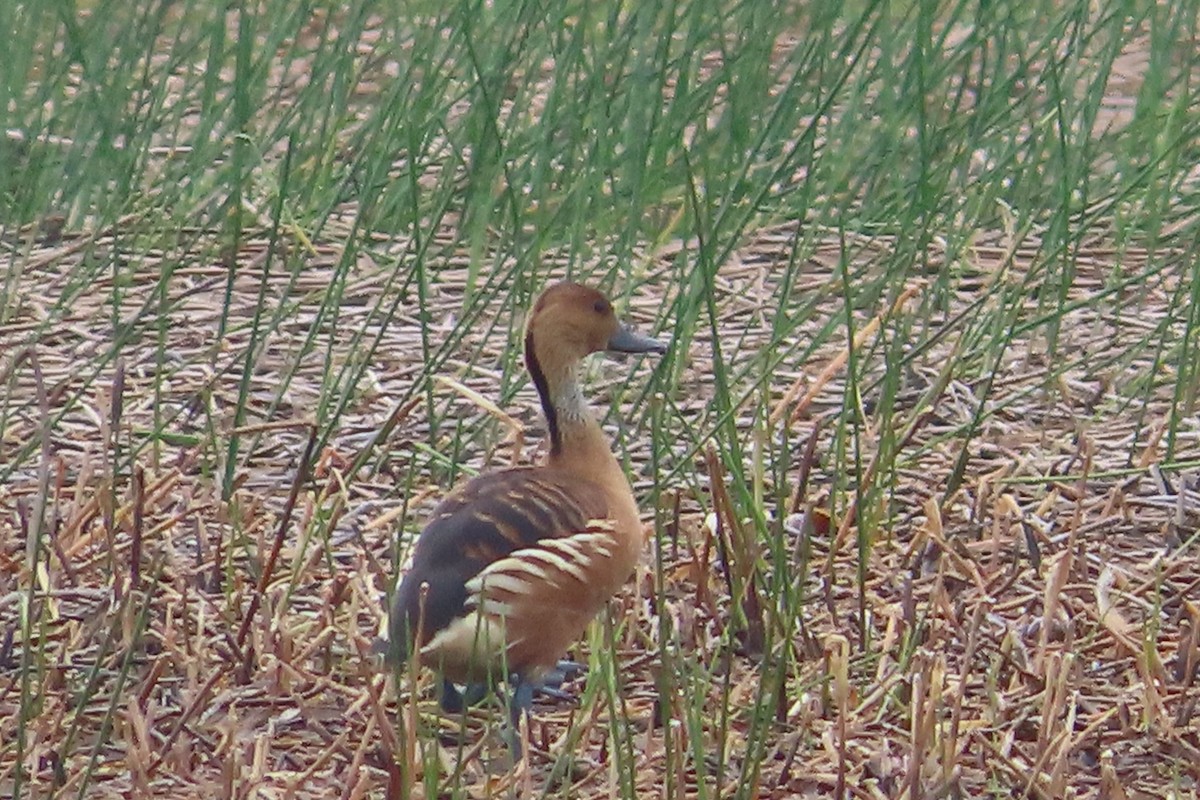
(567, 416)
(575, 436)
(579, 447)
(564, 402)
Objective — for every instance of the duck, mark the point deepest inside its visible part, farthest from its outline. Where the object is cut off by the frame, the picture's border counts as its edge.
(514, 564)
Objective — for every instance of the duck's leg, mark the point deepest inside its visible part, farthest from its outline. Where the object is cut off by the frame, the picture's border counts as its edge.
(518, 706)
(453, 701)
(473, 693)
(523, 691)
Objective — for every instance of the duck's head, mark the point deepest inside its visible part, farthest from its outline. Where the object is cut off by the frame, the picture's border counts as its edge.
(569, 321)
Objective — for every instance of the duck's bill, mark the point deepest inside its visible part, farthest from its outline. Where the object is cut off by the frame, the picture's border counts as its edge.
(626, 341)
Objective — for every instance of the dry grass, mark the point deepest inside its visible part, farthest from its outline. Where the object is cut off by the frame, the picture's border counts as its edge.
(1032, 634)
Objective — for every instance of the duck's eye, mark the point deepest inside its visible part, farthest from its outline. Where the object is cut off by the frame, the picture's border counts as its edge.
(600, 307)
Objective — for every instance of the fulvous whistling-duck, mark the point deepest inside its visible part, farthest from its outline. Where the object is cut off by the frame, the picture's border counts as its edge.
(514, 564)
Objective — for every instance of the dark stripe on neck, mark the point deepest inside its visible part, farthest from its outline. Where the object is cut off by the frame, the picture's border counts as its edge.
(543, 390)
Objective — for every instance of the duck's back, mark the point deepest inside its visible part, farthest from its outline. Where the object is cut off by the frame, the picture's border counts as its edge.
(521, 538)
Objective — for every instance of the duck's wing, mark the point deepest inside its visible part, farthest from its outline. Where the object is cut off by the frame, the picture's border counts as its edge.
(497, 536)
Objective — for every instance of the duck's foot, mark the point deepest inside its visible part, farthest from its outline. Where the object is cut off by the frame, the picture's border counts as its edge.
(551, 685)
(565, 670)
